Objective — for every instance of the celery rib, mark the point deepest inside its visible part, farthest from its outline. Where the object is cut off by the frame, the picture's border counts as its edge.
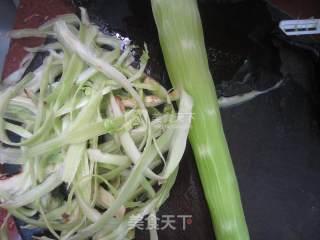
(182, 42)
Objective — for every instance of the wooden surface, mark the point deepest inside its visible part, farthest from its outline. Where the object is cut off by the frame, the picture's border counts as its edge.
(31, 14)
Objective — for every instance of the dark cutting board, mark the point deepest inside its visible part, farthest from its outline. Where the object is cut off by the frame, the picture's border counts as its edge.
(274, 139)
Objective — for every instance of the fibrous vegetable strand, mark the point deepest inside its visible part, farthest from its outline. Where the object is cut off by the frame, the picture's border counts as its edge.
(87, 160)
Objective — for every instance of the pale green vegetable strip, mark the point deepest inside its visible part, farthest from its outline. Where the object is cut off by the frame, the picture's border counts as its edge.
(47, 47)
(87, 163)
(17, 130)
(181, 38)
(28, 212)
(75, 152)
(48, 224)
(69, 76)
(127, 142)
(86, 74)
(88, 113)
(126, 191)
(123, 56)
(39, 223)
(105, 199)
(67, 18)
(72, 43)
(76, 136)
(5, 99)
(152, 225)
(108, 40)
(47, 186)
(91, 213)
(25, 33)
(25, 103)
(10, 155)
(72, 231)
(97, 156)
(13, 77)
(180, 135)
(37, 135)
(14, 185)
(71, 161)
(147, 208)
(84, 172)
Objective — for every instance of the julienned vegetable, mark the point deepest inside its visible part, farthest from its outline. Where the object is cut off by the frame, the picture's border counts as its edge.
(182, 42)
(89, 160)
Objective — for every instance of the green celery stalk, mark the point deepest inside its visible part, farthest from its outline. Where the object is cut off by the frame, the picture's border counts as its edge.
(181, 38)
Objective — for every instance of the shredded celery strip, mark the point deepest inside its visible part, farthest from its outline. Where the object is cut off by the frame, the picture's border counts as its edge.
(77, 133)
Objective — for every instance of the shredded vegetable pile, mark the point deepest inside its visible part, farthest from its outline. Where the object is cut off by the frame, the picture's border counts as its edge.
(98, 141)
